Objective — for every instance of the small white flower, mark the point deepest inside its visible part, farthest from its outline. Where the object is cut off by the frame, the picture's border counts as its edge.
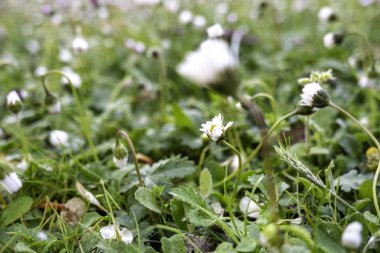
(146, 2)
(366, 82)
(352, 235)
(79, 44)
(74, 77)
(326, 13)
(58, 138)
(120, 163)
(185, 17)
(11, 182)
(65, 56)
(205, 65)
(329, 41)
(13, 98)
(199, 21)
(171, 5)
(249, 207)
(232, 17)
(308, 93)
(215, 31)
(55, 108)
(40, 71)
(42, 236)
(215, 129)
(108, 232)
(221, 8)
(86, 194)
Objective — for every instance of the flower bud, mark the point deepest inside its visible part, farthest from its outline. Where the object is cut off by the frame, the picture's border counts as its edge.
(8, 178)
(52, 103)
(331, 40)
(14, 102)
(352, 235)
(120, 155)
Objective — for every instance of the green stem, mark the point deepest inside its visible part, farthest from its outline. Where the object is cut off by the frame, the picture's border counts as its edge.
(201, 160)
(238, 170)
(307, 133)
(367, 49)
(299, 232)
(23, 140)
(375, 202)
(125, 135)
(84, 119)
(162, 80)
(111, 212)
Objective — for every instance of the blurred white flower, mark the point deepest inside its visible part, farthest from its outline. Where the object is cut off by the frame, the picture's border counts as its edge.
(65, 56)
(40, 71)
(109, 232)
(14, 102)
(215, 129)
(172, 5)
(33, 46)
(10, 182)
(199, 21)
(58, 138)
(221, 8)
(146, 2)
(79, 44)
(308, 92)
(352, 235)
(42, 236)
(215, 31)
(205, 65)
(74, 77)
(185, 17)
(232, 17)
(331, 40)
(249, 207)
(326, 13)
(55, 108)
(366, 81)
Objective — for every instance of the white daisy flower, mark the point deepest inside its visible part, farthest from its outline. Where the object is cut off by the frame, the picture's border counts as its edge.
(352, 235)
(326, 13)
(365, 81)
(74, 77)
(185, 17)
(331, 40)
(205, 65)
(40, 71)
(215, 31)
(171, 5)
(14, 103)
(215, 129)
(11, 182)
(308, 93)
(58, 138)
(79, 44)
(109, 232)
(199, 21)
(249, 207)
(65, 56)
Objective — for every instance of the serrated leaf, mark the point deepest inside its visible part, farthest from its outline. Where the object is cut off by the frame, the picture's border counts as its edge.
(190, 196)
(173, 244)
(15, 210)
(198, 218)
(147, 198)
(205, 183)
(175, 167)
(327, 237)
(351, 180)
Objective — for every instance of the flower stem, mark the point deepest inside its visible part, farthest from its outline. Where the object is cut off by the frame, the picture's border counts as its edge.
(23, 139)
(84, 119)
(376, 204)
(162, 82)
(125, 135)
(239, 168)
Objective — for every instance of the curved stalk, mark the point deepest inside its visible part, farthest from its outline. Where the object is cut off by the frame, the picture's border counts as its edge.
(239, 168)
(367, 49)
(85, 125)
(125, 135)
(377, 173)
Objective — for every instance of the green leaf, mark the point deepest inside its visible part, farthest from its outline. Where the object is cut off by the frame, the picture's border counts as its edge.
(91, 218)
(175, 167)
(181, 119)
(23, 248)
(247, 244)
(178, 212)
(225, 247)
(15, 210)
(351, 180)
(319, 151)
(198, 218)
(173, 244)
(205, 183)
(327, 237)
(365, 189)
(190, 196)
(147, 198)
